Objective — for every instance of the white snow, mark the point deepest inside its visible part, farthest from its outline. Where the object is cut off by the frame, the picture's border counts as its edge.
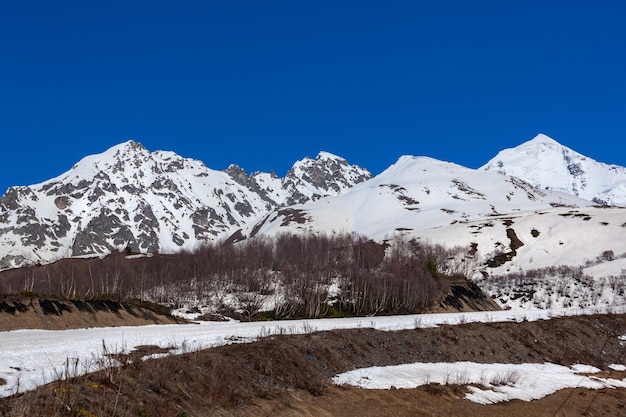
(614, 267)
(33, 357)
(487, 383)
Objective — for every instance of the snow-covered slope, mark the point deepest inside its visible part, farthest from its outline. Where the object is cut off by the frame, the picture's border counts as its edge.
(129, 197)
(414, 194)
(546, 164)
(544, 238)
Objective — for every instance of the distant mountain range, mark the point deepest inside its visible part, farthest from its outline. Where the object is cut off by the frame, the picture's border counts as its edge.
(129, 197)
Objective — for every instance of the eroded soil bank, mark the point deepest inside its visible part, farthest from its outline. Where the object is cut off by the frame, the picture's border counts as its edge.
(57, 314)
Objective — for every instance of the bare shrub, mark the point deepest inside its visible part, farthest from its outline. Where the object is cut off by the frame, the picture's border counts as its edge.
(509, 378)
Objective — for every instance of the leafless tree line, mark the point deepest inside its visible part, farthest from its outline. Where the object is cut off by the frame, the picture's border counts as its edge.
(305, 276)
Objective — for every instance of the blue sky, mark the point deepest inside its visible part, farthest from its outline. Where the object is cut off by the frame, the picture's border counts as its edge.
(265, 83)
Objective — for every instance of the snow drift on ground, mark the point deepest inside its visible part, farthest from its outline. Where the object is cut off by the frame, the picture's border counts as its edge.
(488, 383)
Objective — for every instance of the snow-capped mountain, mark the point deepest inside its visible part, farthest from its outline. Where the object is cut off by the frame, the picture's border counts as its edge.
(546, 164)
(129, 197)
(415, 194)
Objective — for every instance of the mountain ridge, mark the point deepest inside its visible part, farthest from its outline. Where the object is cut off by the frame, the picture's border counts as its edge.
(129, 197)
(414, 194)
(148, 201)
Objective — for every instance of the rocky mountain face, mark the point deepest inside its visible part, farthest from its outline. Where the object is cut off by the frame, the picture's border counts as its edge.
(546, 164)
(308, 179)
(129, 197)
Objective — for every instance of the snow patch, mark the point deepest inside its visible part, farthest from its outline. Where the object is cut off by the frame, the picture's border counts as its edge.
(487, 383)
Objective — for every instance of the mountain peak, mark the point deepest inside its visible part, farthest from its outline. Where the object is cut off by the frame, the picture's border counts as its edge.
(133, 145)
(119, 157)
(322, 158)
(540, 151)
(545, 163)
(327, 155)
(129, 145)
(545, 139)
(327, 172)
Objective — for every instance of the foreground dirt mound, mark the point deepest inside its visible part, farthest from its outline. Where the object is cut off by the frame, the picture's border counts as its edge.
(291, 375)
(52, 314)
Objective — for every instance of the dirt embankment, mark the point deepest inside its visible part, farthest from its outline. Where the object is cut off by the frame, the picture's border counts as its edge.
(56, 314)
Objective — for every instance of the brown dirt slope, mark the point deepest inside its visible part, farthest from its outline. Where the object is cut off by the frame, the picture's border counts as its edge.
(56, 314)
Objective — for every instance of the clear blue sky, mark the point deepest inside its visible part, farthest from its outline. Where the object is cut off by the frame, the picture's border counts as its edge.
(265, 83)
